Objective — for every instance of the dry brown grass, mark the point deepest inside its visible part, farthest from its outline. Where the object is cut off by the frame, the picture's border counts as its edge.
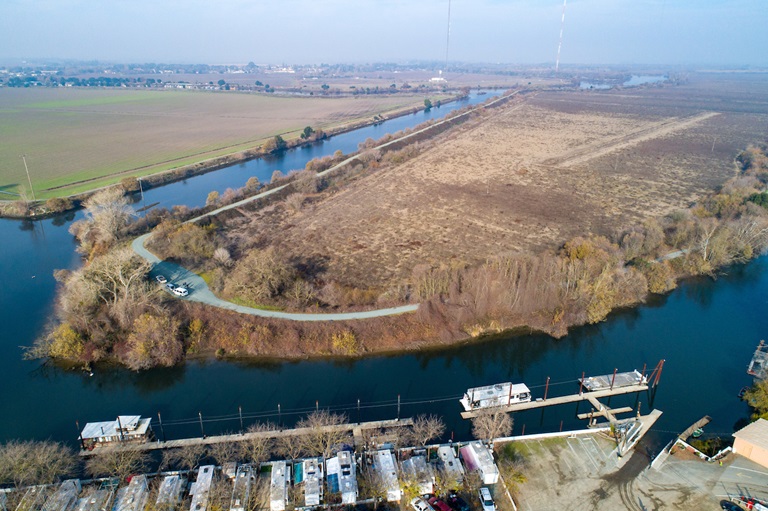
(527, 178)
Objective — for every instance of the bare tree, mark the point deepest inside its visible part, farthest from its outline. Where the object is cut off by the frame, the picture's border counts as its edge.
(106, 213)
(372, 486)
(223, 452)
(287, 447)
(32, 462)
(118, 461)
(186, 458)
(324, 433)
(222, 256)
(490, 424)
(261, 275)
(426, 428)
(259, 445)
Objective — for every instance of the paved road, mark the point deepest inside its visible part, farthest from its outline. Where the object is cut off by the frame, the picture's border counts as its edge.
(199, 291)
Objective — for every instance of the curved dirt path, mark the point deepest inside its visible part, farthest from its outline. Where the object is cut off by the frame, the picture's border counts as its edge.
(199, 291)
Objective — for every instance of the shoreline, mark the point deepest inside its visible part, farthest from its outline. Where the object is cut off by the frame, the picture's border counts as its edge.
(37, 210)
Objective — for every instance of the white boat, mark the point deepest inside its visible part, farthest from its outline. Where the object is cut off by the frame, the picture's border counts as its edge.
(491, 396)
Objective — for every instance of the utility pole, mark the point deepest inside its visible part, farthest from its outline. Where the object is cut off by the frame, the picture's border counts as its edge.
(24, 159)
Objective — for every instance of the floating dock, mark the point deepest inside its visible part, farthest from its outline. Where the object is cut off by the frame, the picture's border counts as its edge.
(604, 386)
(758, 366)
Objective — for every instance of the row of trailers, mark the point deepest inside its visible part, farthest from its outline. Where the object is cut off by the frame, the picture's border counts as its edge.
(314, 476)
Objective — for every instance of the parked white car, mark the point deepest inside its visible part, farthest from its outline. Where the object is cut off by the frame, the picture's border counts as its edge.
(181, 291)
(161, 279)
(420, 504)
(486, 500)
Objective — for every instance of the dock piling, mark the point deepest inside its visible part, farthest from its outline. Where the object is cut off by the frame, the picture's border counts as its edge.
(202, 431)
(162, 431)
(614, 376)
(546, 389)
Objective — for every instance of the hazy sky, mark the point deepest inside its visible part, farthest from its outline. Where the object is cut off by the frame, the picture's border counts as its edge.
(310, 31)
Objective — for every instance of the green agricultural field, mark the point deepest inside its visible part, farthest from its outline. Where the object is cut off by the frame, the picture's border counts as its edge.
(80, 139)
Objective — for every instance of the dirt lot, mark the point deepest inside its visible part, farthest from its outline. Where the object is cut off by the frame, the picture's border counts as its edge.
(70, 135)
(583, 473)
(528, 177)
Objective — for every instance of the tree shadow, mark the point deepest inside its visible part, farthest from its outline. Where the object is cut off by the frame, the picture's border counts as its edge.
(310, 266)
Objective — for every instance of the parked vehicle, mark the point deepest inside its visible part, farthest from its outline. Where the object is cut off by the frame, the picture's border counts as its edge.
(171, 286)
(161, 279)
(486, 500)
(457, 503)
(438, 504)
(181, 291)
(420, 504)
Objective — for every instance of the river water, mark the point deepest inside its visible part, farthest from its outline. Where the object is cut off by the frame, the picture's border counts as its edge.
(706, 330)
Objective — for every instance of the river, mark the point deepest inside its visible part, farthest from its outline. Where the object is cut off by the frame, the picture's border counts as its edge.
(706, 330)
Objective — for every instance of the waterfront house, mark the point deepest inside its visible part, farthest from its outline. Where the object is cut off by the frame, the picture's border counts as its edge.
(96, 501)
(752, 442)
(342, 476)
(310, 472)
(477, 457)
(201, 488)
(126, 428)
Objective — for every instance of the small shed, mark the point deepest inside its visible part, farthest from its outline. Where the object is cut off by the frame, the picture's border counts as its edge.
(201, 488)
(752, 442)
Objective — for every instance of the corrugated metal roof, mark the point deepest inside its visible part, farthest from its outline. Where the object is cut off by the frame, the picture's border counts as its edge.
(756, 433)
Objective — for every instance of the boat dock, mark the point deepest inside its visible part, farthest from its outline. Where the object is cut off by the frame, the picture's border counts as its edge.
(356, 429)
(561, 400)
(590, 389)
(758, 366)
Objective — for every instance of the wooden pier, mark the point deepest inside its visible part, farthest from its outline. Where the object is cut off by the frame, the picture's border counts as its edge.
(357, 430)
(561, 400)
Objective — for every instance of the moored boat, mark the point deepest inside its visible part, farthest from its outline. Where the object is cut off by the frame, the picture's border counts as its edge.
(491, 396)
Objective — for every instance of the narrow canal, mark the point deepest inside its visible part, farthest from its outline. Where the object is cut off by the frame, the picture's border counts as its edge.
(706, 330)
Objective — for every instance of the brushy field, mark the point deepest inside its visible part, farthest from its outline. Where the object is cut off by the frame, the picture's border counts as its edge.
(529, 177)
(79, 139)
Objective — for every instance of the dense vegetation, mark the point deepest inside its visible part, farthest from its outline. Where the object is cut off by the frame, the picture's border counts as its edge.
(109, 310)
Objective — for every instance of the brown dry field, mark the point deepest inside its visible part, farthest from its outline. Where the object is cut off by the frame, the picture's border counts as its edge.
(527, 178)
(79, 139)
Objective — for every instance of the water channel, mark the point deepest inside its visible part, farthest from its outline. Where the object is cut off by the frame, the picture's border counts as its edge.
(706, 330)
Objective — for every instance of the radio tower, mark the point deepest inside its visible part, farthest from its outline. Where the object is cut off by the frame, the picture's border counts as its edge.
(560, 44)
(448, 36)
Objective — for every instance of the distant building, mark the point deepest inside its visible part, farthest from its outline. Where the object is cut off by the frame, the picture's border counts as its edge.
(170, 491)
(752, 442)
(126, 428)
(134, 496)
(65, 497)
(278, 492)
(416, 471)
(450, 464)
(386, 470)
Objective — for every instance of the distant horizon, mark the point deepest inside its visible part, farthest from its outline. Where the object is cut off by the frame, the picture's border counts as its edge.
(519, 32)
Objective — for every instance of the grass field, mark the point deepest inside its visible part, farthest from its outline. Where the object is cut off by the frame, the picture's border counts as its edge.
(527, 178)
(79, 139)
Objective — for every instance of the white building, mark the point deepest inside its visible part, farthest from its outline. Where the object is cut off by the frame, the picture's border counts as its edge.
(384, 465)
(201, 488)
(416, 470)
(477, 457)
(278, 491)
(96, 501)
(312, 472)
(126, 428)
(342, 476)
(134, 496)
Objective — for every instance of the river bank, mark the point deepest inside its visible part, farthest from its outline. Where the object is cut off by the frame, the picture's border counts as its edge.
(35, 210)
